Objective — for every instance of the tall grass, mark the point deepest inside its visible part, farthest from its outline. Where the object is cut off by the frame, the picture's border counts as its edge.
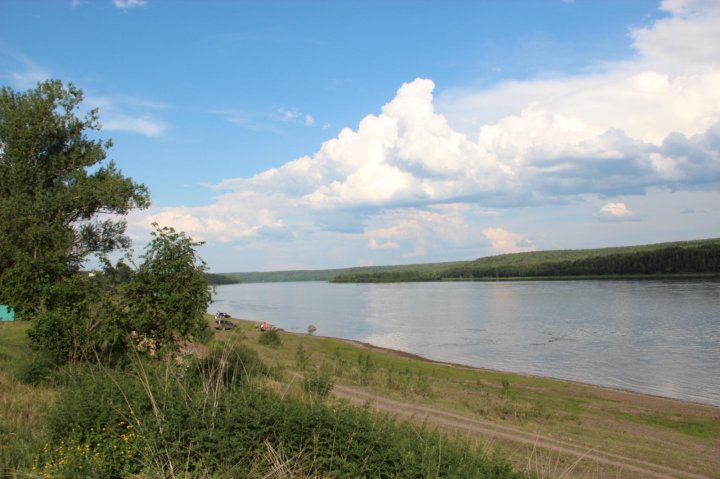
(22, 406)
(214, 417)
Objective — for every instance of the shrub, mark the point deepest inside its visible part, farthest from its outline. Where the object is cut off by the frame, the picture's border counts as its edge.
(270, 338)
(169, 294)
(302, 358)
(98, 399)
(91, 428)
(37, 369)
(230, 366)
(505, 383)
(318, 383)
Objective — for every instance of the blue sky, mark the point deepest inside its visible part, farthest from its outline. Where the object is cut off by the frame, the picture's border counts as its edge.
(317, 134)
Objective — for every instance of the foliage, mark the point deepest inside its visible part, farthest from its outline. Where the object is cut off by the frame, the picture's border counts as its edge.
(219, 428)
(88, 320)
(102, 318)
(505, 383)
(700, 259)
(325, 274)
(97, 399)
(270, 338)
(91, 427)
(21, 406)
(230, 366)
(302, 358)
(111, 452)
(169, 294)
(220, 279)
(687, 257)
(58, 202)
(684, 257)
(319, 383)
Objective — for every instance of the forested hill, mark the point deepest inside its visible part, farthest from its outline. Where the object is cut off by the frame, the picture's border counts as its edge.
(701, 257)
(693, 258)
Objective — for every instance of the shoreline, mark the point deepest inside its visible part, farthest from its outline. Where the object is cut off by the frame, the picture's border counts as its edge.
(606, 389)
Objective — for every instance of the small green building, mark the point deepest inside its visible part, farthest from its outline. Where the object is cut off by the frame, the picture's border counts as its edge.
(6, 313)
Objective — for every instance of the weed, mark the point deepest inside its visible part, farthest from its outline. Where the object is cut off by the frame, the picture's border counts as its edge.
(505, 382)
(302, 358)
(318, 383)
(270, 338)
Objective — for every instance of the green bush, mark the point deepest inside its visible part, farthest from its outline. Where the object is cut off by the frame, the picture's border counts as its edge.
(318, 383)
(302, 358)
(38, 369)
(92, 427)
(270, 338)
(100, 398)
(230, 366)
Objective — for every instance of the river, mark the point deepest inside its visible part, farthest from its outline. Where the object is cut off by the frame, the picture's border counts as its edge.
(655, 337)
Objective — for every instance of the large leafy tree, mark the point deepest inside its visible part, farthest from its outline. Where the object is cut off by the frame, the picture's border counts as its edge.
(60, 201)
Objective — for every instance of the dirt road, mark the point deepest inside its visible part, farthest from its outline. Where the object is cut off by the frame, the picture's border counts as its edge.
(480, 428)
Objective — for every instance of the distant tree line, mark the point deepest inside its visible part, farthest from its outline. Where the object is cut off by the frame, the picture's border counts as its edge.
(674, 260)
(398, 276)
(219, 279)
(702, 259)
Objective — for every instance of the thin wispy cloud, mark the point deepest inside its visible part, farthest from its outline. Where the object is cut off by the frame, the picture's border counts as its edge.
(130, 114)
(126, 4)
(294, 116)
(20, 71)
(262, 121)
(142, 125)
(250, 121)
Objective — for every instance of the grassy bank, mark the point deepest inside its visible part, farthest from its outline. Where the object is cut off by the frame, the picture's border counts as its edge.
(222, 412)
(22, 406)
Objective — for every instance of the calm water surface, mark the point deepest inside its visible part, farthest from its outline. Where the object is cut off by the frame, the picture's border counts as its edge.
(656, 337)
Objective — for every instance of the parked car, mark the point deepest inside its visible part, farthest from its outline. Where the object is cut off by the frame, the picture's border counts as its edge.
(223, 324)
(221, 315)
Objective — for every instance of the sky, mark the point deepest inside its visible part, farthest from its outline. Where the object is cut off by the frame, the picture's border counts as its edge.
(325, 134)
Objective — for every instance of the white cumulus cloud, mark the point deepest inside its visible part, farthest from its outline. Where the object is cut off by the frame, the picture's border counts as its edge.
(616, 212)
(504, 241)
(374, 244)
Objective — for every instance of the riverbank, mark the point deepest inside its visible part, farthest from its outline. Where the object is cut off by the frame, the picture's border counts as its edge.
(602, 423)
(619, 393)
(653, 337)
